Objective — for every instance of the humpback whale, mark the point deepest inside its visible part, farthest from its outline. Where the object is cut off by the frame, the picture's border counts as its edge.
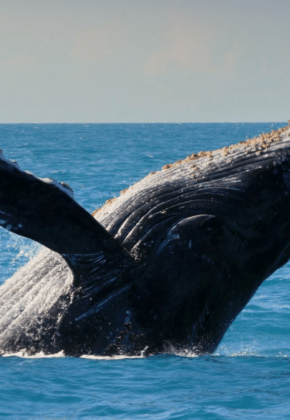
(166, 266)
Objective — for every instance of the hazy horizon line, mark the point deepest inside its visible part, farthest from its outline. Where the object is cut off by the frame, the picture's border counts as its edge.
(148, 122)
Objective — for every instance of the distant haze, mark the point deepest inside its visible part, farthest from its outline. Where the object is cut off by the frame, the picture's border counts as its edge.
(144, 61)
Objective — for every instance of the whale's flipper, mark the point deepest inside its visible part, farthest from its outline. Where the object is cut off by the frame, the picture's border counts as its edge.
(45, 211)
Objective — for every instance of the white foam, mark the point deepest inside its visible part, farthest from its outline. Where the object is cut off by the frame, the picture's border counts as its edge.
(40, 355)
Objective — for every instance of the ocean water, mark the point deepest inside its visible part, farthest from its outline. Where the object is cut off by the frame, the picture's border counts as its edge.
(248, 377)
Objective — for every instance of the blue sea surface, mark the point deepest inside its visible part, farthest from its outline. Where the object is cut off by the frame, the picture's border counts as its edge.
(248, 377)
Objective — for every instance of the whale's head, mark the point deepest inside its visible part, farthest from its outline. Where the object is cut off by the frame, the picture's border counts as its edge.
(208, 230)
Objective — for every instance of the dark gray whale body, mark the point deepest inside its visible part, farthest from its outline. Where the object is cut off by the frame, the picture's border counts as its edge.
(165, 267)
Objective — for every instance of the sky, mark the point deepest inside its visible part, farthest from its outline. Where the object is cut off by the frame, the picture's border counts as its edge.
(106, 61)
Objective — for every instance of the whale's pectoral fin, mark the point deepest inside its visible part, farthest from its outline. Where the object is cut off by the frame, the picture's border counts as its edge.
(45, 211)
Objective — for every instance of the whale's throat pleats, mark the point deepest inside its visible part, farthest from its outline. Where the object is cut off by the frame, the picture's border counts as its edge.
(45, 211)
